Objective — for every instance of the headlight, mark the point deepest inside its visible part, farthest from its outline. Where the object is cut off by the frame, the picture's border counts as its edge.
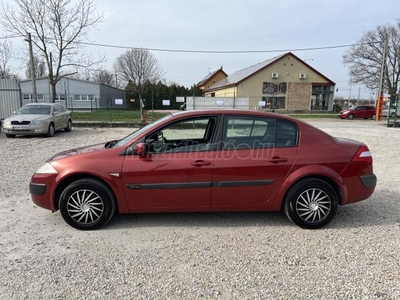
(46, 169)
(37, 122)
(7, 123)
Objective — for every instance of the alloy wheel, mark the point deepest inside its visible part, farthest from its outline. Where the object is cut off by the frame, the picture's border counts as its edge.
(313, 205)
(85, 207)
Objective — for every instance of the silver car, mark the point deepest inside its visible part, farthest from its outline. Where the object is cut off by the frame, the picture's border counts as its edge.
(393, 111)
(38, 119)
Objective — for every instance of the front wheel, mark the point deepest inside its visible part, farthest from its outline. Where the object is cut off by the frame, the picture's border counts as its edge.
(10, 135)
(69, 126)
(87, 204)
(350, 117)
(51, 131)
(373, 117)
(311, 203)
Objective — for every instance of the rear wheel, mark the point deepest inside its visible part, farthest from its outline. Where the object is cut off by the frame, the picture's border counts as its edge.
(311, 203)
(87, 204)
(350, 117)
(51, 131)
(373, 117)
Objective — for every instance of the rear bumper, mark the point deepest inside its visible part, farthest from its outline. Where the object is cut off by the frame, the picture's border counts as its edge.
(368, 181)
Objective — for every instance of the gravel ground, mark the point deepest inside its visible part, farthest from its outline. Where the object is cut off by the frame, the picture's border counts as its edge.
(199, 256)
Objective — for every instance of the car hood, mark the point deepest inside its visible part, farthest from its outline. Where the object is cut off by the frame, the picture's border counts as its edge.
(77, 151)
(21, 118)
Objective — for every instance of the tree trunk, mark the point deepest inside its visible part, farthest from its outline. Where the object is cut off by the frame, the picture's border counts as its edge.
(141, 108)
(53, 91)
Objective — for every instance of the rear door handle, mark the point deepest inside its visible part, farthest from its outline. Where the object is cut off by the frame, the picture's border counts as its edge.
(277, 160)
(200, 163)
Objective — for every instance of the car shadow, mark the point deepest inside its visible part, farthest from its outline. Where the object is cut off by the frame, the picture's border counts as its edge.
(381, 209)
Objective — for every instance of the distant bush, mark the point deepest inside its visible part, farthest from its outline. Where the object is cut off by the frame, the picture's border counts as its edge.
(337, 108)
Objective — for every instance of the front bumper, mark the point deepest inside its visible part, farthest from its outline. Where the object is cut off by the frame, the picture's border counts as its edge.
(25, 129)
(37, 189)
(42, 189)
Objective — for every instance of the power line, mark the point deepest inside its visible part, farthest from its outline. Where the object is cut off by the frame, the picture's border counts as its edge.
(209, 51)
(10, 37)
(221, 51)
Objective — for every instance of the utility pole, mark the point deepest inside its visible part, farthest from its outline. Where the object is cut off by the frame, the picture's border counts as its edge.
(34, 95)
(380, 94)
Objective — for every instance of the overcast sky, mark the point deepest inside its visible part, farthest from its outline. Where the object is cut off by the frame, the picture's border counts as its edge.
(237, 25)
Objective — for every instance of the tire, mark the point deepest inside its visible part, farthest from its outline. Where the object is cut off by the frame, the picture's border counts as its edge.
(10, 135)
(69, 126)
(311, 203)
(350, 117)
(51, 131)
(87, 204)
(393, 114)
(373, 117)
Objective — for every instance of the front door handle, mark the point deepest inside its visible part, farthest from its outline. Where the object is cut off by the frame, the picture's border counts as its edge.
(277, 159)
(200, 163)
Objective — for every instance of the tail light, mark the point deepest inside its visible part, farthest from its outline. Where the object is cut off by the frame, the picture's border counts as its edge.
(363, 155)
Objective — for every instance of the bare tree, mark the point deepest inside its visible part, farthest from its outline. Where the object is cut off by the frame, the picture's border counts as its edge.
(5, 56)
(58, 29)
(138, 66)
(104, 77)
(40, 68)
(365, 58)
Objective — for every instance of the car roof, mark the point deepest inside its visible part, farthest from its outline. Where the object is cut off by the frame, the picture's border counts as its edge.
(231, 112)
(41, 103)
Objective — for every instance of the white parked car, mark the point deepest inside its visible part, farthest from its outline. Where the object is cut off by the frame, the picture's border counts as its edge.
(393, 111)
(38, 119)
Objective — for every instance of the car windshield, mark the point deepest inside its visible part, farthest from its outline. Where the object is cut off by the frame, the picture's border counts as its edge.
(353, 108)
(136, 133)
(34, 110)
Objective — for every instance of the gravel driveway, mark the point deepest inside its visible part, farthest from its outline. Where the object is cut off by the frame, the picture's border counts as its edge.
(199, 255)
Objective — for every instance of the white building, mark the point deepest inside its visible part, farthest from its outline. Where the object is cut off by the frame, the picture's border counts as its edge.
(75, 93)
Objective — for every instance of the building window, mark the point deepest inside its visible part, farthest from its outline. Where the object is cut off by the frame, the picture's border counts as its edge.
(60, 97)
(40, 97)
(274, 95)
(322, 98)
(84, 97)
(27, 97)
(273, 102)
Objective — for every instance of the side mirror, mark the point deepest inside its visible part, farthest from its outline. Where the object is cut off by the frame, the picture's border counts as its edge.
(140, 149)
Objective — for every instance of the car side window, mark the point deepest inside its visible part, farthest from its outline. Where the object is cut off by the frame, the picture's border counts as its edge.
(286, 134)
(248, 133)
(188, 135)
(61, 108)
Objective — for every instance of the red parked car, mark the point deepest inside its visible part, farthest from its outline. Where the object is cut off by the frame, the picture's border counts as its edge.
(216, 160)
(359, 111)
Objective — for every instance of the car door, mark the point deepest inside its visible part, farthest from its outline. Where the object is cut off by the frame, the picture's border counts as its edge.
(361, 112)
(57, 117)
(63, 116)
(256, 156)
(176, 169)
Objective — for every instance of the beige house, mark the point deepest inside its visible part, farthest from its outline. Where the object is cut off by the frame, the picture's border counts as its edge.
(284, 83)
(212, 78)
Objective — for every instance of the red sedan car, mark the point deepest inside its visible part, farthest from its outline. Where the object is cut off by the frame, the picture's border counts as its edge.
(216, 160)
(359, 111)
